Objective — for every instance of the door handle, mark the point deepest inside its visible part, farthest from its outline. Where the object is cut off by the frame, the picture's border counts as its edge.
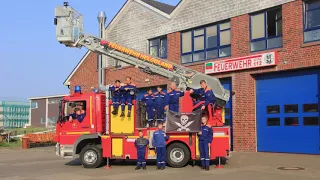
(85, 127)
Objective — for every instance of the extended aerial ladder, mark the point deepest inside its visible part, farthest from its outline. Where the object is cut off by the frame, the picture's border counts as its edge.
(69, 31)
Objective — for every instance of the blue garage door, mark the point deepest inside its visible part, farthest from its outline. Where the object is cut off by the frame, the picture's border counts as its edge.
(288, 112)
(226, 83)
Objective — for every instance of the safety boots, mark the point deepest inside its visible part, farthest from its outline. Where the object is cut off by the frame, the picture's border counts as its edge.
(129, 114)
(137, 168)
(144, 167)
(115, 111)
(122, 114)
(207, 168)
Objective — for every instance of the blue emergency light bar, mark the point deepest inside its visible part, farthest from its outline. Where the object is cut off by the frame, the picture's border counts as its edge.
(77, 89)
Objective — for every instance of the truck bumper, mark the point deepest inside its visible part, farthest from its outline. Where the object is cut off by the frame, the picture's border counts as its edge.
(65, 151)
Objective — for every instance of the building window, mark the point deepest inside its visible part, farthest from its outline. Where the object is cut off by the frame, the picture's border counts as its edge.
(266, 30)
(311, 20)
(206, 43)
(34, 105)
(158, 47)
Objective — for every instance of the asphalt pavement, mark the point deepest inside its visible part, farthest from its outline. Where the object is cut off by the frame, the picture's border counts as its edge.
(43, 164)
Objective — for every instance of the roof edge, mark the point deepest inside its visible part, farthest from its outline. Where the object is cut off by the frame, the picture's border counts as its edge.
(45, 97)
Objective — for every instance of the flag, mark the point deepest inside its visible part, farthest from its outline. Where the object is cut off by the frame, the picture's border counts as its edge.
(183, 122)
(209, 66)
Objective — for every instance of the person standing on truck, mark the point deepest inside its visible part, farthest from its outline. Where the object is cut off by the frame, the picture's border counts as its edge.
(78, 114)
(205, 139)
(148, 99)
(205, 93)
(116, 96)
(141, 143)
(129, 90)
(172, 98)
(160, 101)
(159, 142)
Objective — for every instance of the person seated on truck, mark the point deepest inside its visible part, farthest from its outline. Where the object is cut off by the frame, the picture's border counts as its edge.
(148, 99)
(116, 96)
(205, 94)
(160, 101)
(172, 98)
(159, 142)
(141, 143)
(78, 114)
(129, 90)
(205, 139)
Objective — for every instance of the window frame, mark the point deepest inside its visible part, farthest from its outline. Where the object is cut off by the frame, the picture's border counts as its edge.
(36, 106)
(205, 49)
(305, 29)
(265, 38)
(159, 40)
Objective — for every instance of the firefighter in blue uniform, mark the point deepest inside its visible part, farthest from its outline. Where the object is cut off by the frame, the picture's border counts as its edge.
(129, 90)
(141, 143)
(205, 139)
(160, 101)
(116, 96)
(172, 98)
(78, 114)
(159, 142)
(205, 94)
(148, 99)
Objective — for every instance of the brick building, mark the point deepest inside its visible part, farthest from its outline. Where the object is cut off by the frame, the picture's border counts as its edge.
(267, 51)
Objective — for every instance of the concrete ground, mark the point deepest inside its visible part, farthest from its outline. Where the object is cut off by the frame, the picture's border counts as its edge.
(42, 164)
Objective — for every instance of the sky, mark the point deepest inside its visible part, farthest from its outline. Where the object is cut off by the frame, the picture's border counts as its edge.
(32, 62)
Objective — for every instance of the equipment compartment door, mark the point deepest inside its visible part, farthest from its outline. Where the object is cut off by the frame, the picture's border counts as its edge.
(117, 148)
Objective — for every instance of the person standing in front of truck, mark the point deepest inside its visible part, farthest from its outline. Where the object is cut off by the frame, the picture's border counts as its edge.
(205, 139)
(141, 143)
(159, 142)
(129, 90)
(116, 96)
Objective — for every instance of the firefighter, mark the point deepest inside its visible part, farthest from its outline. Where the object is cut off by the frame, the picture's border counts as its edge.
(172, 98)
(128, 96)
(160, 101)
(205, 139)
(148, 99)
(141, 143)
(205, 94)
(159, 142)
(116, 96)
(78, 114)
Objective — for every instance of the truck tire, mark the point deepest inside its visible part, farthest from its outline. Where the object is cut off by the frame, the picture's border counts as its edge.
(178, 155)
(91, 157)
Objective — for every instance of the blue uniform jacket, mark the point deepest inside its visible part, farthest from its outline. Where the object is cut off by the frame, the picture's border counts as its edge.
(206, 135)
(149, 100)
(173, 97)
(158, 139)
(160, 98)
(131, 88)
(78, 117)
(141, 143)
(115, 92)
(205, 95)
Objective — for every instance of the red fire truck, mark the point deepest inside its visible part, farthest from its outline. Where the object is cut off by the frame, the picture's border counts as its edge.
(104, 136)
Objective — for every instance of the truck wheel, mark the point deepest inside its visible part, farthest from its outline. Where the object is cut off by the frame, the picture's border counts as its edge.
(178, 155)
(91, 157)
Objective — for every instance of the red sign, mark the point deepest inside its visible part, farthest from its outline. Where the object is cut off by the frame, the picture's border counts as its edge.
(248, 62)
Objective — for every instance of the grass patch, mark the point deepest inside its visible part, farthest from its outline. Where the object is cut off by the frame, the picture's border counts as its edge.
(14, 143)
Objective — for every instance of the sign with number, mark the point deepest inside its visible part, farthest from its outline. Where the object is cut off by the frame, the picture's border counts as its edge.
(248, 62)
